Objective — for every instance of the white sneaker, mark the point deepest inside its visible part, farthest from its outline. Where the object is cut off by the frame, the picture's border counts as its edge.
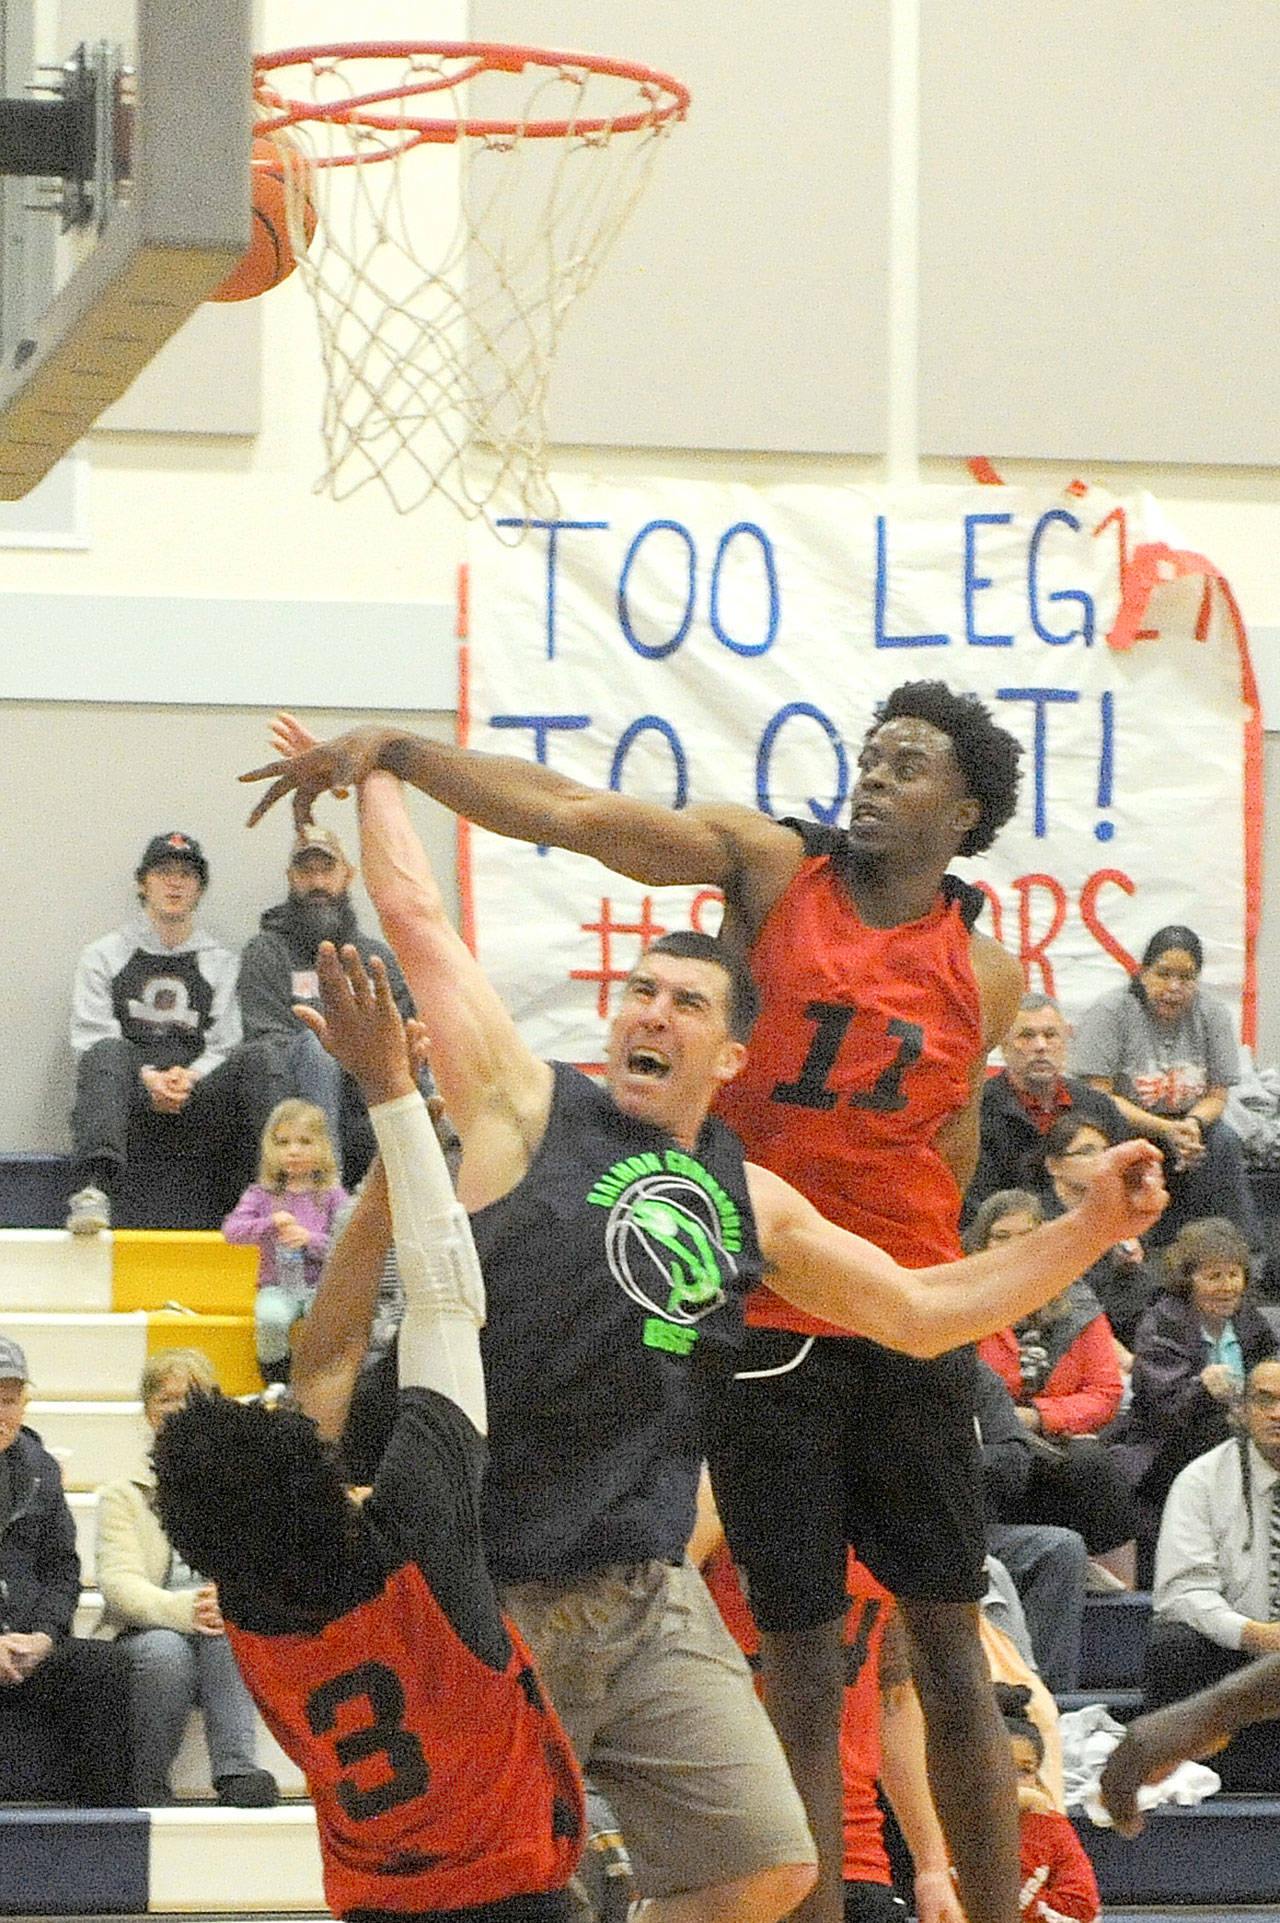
(89, 1212)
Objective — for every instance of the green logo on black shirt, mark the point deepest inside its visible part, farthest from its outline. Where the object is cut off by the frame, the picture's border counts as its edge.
(671, 1239)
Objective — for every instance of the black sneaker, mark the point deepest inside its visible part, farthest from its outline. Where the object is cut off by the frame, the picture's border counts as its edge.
(255, 1789)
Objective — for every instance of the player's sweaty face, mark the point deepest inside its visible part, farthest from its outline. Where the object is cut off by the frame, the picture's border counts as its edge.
(669, 1045)
(909, 790)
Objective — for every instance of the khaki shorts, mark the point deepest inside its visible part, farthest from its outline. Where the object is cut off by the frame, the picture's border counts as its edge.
(659, 1705)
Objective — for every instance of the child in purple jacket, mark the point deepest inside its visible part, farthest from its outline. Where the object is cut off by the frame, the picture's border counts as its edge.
(289, 1213)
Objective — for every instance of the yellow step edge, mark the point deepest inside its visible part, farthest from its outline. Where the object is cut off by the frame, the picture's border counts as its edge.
(227, 1340)
(195, 1267)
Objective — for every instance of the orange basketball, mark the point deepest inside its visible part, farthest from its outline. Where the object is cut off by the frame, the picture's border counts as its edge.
(270, 258)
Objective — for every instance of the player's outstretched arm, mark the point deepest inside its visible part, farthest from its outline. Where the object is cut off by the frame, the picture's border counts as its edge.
(359, 1024)
(831, 1273)
(331, 1342)
(1193, 1729)
(497, 1092)
(718, 845)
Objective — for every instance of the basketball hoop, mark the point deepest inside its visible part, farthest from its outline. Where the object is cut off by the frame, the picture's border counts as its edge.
(440, 289)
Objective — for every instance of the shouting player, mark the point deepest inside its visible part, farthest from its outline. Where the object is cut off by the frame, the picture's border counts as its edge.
(671, 1048)
(879, 1004)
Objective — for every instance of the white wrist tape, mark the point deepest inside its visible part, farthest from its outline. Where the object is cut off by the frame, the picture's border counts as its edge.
(436, 1257)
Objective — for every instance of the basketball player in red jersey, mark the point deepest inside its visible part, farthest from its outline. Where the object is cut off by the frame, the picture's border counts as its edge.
(880, 1003)
(881, 1744)
(371, 1637)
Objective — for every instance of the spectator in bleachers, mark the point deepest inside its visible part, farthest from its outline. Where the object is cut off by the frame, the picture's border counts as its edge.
(64, 1699)
(1030, 1092)
(154, 1022)
(1006, 1645)
(289, 1213)
(1164, 1049)
(1123, 1279)
(1060, 1368)
(168, 1624)
(1049, 1565)
(1059, 1364)
(1217, 1587)
(1194, 1349)
(278, 969)
(1057, 1877)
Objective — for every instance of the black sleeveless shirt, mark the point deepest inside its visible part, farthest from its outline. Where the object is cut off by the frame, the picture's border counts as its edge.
(615, 1273)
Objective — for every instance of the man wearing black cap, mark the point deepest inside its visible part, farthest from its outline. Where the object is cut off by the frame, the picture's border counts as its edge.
(278, 971)
(64, 1700)
(154, 1018)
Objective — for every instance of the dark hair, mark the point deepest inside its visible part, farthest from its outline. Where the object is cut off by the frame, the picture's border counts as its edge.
(251, 1496)
(987, 755)
(744, 998)
(1064, 1128)
(1013, 1700)
(994, 1209)
(1173, 935)
(1212, 1239)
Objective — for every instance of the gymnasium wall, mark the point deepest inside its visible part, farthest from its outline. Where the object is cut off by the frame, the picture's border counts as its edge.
(1110, 316)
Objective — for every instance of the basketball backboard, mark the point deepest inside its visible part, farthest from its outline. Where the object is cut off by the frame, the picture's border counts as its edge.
(133, 118)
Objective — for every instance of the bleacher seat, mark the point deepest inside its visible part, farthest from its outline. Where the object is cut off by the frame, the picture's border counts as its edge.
(77, 1356)
(94, 1442)
(73, 1862)
(34, 1187)
(83, 1504)
(1222, 1851)
(89, 1309)
(1113, 1641)
(1123, 1704)
(51, 1270)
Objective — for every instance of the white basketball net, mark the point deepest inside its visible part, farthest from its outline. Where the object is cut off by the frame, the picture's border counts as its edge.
(443, 265)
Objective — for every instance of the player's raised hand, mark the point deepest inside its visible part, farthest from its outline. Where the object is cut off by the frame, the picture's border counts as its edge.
(419, 1041)
(289, 738)
(307, 772)
(359, 1023)
(1127, 1193)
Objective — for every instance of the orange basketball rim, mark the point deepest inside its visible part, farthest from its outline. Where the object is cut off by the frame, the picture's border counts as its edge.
(440, 287)
(454, 63)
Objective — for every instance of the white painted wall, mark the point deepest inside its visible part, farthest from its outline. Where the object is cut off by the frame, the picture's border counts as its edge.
(83, 785)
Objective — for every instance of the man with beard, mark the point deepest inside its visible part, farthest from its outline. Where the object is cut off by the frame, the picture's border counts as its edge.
(278, 970)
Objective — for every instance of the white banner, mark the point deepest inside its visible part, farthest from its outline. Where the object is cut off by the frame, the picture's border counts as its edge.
(690, 641)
